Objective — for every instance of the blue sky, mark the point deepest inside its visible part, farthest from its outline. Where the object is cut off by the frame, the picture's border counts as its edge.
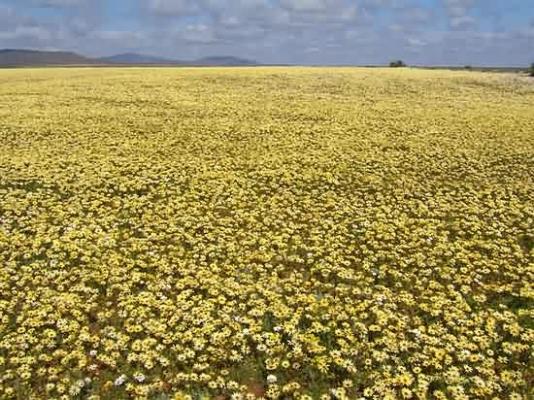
(431, 32)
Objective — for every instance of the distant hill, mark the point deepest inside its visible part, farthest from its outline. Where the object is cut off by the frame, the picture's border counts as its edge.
(135, 58)
(18, 58)
(224, 60)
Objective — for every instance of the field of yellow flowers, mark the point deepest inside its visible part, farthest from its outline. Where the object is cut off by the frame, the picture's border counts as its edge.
(277, 233)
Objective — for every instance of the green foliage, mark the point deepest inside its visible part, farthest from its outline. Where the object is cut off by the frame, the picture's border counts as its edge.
(397, 64)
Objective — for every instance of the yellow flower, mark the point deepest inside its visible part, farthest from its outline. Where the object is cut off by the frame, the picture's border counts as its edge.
(200, 231)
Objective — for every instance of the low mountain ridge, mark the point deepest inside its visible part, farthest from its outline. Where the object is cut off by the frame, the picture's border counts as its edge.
(135, 58)
(17, 57)
(224, 60)
(23, 57)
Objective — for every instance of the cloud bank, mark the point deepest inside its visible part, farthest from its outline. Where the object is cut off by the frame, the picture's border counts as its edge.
(444, 32)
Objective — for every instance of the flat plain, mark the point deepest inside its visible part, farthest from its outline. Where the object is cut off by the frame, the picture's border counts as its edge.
(240, 233)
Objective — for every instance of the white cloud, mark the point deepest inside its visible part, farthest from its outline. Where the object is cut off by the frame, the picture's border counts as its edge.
(171, 7)
(114, 35)
(458, 12)
(462, 22)
(304, 5)
(415, 42)
(27, 32)
(197, 33)
(5, 12)
(458, 8)
(60, 3)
